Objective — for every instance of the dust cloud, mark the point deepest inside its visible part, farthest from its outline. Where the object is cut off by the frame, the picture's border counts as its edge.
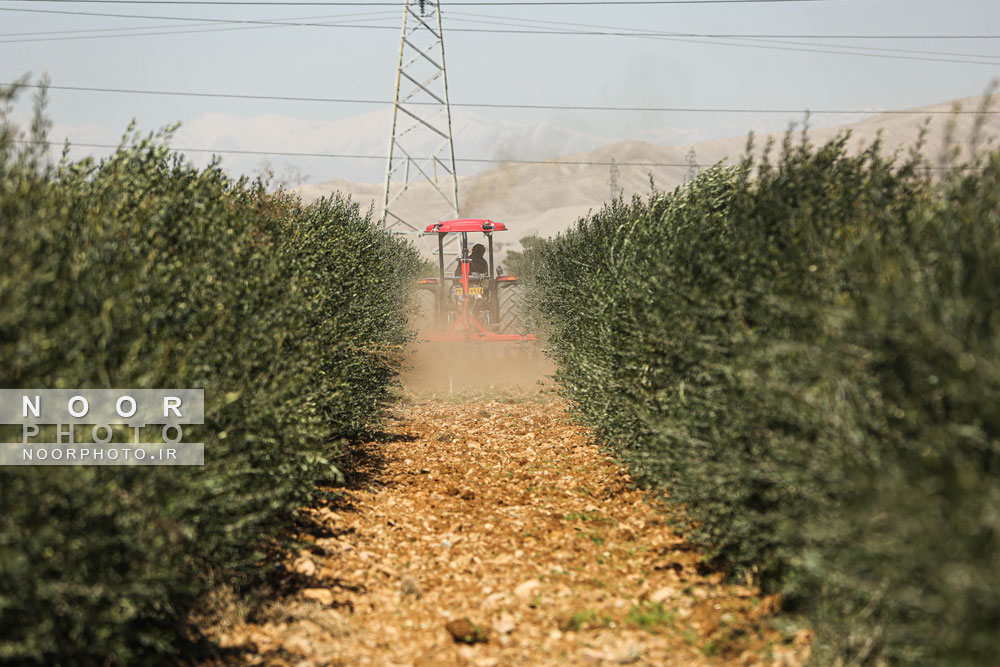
(448, 368)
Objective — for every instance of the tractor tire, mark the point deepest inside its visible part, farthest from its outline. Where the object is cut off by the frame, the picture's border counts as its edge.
(512, 316)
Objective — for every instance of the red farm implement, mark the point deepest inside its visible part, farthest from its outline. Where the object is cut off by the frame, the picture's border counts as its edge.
(467, 304)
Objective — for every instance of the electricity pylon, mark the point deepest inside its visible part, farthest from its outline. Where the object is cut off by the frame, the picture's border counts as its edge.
(692, 162)
(421, 117)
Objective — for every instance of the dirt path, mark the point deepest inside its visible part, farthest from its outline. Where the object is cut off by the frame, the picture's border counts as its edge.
(498, 521)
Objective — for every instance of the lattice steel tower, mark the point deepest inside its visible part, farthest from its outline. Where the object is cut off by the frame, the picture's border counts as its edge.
(421, 147)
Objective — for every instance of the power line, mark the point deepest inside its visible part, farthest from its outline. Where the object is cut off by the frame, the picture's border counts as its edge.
(555, 162)
(854, 36)
(174, 29)
(621, 32)
(725, 34)
(488, 3)
(487, 105)
(842, 53)
(876, 48)
(494, 19)
(135, 33)
(783, 39)
(351, 156)
(188, 19)
(679, 37)
(44, 33)
(167, 30)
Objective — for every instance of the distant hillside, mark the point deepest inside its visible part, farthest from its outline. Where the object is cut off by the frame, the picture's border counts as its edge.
(365, 134)
(544, 199)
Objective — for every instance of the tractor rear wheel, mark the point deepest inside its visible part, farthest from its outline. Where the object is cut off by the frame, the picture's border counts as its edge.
(512, 317)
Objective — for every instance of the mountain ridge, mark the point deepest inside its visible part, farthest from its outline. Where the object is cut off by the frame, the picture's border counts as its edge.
(546, 198)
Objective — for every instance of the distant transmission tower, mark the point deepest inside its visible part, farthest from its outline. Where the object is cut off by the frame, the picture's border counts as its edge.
(421, 147)
(615, 189)
(692, 162)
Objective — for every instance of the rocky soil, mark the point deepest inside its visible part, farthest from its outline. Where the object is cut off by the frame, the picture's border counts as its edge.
(495, 533)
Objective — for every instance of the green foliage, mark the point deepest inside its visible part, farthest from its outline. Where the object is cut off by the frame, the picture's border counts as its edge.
(650, 615)
(524, 263)
(142, 271)
(585, 620)
(805, 355)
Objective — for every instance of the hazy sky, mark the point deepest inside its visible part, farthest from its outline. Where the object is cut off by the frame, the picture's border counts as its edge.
(483, 67)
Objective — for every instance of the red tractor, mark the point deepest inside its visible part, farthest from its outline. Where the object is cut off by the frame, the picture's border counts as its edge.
(467, 305)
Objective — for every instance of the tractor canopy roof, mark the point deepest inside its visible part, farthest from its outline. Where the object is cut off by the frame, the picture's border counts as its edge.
(466, 225)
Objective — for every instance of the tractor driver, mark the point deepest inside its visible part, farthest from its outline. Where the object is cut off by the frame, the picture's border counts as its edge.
(478, 263)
